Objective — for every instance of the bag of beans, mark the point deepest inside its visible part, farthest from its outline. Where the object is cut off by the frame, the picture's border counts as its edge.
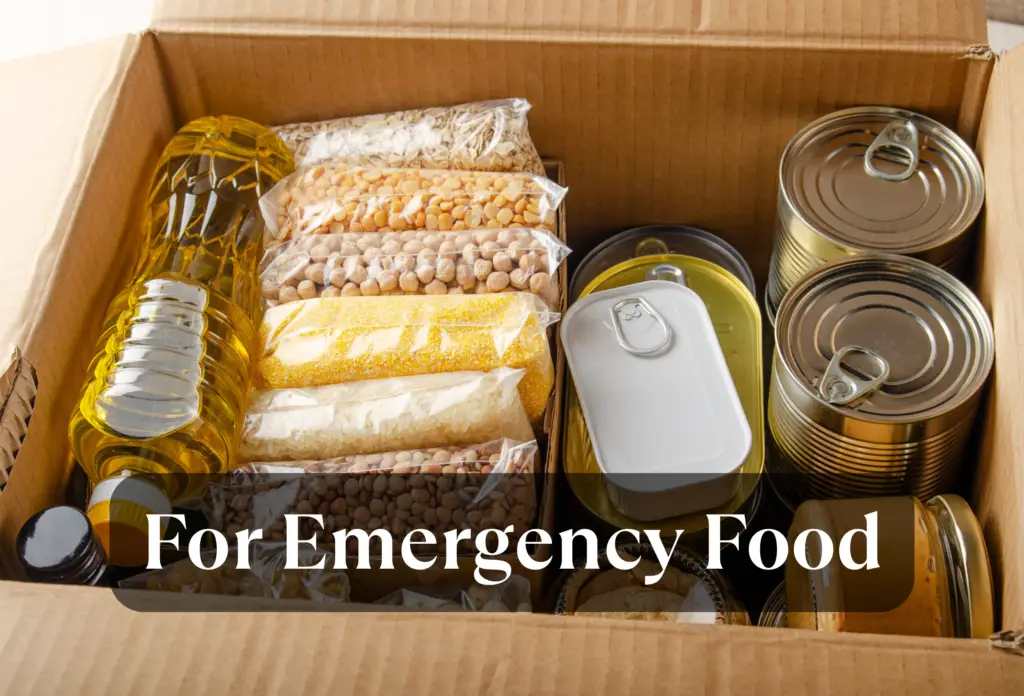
(511, 595)
(332, 198)
(356, 264)
(331, 340)
(382, 415)
(439, 489)
(491, 136)
(266, 576)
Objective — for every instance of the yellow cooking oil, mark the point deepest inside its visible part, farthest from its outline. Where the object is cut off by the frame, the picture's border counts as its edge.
(166, 391)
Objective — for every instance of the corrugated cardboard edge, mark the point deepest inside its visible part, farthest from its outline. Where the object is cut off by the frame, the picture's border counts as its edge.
(18, 386)
(1000, 479)
(912, 24)
(99, 647)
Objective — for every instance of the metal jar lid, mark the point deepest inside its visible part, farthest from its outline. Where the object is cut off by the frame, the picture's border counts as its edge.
(659, 240)
(882, 179)
(885, 338)
(967, 559)
(773, 614)
(728, 609)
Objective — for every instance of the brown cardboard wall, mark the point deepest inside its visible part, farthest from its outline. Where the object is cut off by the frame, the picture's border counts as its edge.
(104, 649)
(80, 276)
(1000, 474)
(654, 134)
(913, 23)
(49, 133)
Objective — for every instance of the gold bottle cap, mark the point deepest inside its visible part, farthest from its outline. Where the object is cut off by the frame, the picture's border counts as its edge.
(118, 510)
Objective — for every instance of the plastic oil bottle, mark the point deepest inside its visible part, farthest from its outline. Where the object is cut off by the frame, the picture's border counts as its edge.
(162, 408)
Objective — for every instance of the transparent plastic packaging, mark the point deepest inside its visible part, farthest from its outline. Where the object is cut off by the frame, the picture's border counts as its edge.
(354, 264)
(511, 595)
(382, 415)
(439, 489)
(332, 198)
(334, 340)
(490, 136)
(266, 577)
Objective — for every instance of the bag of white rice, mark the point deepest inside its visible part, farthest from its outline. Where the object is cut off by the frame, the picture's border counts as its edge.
(384, 415)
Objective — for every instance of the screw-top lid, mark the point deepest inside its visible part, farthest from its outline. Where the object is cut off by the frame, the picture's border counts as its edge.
(57, 545)
(882, 179)
(886, 338)
(118, 511)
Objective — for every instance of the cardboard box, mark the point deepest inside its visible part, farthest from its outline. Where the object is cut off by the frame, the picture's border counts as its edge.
(661, 112)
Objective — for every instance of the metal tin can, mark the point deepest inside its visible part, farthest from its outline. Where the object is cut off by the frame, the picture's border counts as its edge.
(878, 370)
(872, 179)
(737, 322)
(933, 576)
(659, 240)
(773, 614)
(706, 596)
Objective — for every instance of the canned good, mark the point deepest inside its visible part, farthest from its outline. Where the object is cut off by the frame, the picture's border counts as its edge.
(688, 592)
(877, 374)
(737, 323)
(872, 179)
(659, 240)
(773, 614)
(933, 576)
(649, 373)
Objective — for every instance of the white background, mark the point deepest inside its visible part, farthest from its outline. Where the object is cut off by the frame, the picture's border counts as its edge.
(37, 26)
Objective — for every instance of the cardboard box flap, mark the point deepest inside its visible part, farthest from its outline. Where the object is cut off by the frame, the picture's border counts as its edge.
(50, 118)
(103, 648)
(1000, 478)
(947, 25)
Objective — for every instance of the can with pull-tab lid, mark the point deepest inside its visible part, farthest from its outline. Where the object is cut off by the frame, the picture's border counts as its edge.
(873, 179)
(737, 326)
(879, 365)
(667, 425)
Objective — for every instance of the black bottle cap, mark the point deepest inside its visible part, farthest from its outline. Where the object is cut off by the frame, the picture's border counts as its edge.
(57, 545)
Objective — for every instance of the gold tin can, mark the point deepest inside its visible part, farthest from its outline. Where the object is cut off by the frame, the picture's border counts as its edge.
(878, 370)
(737, 320)
(872, 179)
(773, 614)
(933, 576)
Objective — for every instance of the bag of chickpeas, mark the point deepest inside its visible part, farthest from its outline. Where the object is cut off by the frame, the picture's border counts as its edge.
(490, 485)
(354, 264)
(332, 198)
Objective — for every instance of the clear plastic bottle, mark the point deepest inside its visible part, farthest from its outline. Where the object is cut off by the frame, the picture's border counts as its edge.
(166, 390)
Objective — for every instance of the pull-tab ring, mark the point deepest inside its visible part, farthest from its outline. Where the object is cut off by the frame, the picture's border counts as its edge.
(667, 271)
(630, 309)
(898, 136)
(840, 387)
(650, 246)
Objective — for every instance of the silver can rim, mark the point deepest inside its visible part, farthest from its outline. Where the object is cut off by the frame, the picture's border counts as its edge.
(986, 349)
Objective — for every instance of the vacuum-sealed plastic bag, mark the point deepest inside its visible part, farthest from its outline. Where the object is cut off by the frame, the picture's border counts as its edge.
(511, 595)
(333, 340)
(266, 577)
(331, 198)
(490, 136)
(484, 486)
(381, 415)
(354, 264)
